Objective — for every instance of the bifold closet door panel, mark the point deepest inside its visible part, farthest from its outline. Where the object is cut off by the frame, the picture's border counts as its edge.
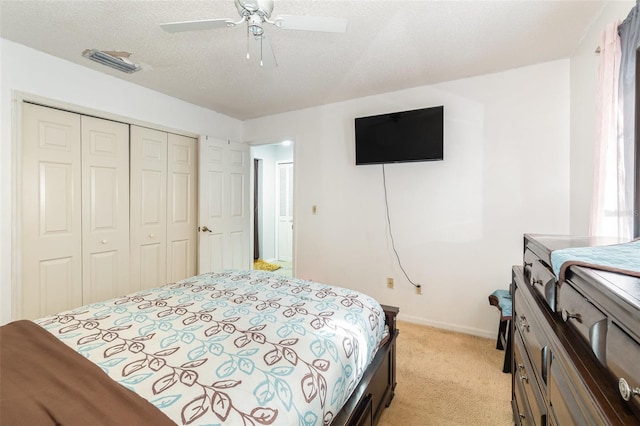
(182, 207)
(105, 209)
(51, 235)
(148, 208)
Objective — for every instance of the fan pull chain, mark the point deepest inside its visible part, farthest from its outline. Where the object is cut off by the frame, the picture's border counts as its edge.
(261, 38)
(247, 43)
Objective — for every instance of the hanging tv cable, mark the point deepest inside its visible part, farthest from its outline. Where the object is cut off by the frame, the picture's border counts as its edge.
(393, 244)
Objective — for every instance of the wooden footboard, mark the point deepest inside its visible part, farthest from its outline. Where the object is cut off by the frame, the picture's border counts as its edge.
(378, 384)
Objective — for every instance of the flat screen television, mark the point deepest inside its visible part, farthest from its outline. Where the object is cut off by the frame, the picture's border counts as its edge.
(399, 137)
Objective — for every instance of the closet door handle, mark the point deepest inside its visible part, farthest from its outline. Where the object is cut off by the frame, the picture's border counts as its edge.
(204, 229)
(104, 241)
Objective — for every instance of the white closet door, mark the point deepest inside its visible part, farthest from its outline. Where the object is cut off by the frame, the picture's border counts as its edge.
(51, 225)
(105, 209)
(182, 205)
(148, 208)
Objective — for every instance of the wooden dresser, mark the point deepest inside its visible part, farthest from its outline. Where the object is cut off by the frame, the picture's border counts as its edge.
(575, 345)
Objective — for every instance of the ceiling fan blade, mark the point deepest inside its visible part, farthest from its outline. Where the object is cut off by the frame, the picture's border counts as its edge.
(207, 24)
(312, 23)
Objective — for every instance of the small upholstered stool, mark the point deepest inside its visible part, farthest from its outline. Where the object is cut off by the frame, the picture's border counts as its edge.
(501, 299)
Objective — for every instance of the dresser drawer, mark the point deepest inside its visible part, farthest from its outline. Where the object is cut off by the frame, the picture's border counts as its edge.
(525, 380)
(623, 360)
(521, 412)
(540, 277)
(576, 310)
(566, 403)
(529, 329)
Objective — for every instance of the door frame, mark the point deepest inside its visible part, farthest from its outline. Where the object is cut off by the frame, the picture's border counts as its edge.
(294, 153)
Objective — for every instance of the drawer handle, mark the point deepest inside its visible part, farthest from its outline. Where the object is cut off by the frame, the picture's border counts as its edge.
(523, 323)
(566, 316)
(626, 391)
(522, 373)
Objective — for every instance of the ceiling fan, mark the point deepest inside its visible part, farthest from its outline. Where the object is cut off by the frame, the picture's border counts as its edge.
(257, 13)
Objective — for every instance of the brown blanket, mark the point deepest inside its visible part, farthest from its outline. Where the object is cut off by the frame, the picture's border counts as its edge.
(45, 382)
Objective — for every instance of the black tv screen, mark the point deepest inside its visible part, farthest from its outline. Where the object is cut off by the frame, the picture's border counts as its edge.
(400, 137)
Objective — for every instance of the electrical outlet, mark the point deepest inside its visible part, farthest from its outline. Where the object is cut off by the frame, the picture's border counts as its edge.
(390, 282)
(418, 289)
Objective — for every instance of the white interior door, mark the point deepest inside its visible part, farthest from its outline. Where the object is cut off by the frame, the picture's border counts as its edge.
(224, 238)
(105, 209)
(51, 273)
(148, 208)
(182, 211)
(285, 211)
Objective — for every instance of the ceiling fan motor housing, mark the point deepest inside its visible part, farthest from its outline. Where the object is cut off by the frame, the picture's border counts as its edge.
(262, 8)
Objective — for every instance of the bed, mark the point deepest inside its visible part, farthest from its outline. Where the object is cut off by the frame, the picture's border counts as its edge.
(231, 348)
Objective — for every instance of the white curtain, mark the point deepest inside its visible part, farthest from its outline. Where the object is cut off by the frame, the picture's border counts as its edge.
(629, 32)
(609, 159)
(612, 204)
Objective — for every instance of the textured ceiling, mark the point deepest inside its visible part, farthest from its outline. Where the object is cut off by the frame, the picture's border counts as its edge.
(389, 45)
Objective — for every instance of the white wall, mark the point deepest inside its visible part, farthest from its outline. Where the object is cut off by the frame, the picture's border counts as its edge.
(458, 223)
(584, 77)
(28, 71)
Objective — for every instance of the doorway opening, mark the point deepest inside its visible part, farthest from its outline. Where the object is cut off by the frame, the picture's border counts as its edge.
(273, 207)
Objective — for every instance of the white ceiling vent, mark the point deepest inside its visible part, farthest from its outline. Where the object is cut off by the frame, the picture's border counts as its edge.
(116, 60)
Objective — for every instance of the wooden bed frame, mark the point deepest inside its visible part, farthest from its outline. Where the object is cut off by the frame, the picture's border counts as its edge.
(378, 384)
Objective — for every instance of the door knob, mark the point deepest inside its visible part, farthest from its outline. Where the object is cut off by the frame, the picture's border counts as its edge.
(204, 229)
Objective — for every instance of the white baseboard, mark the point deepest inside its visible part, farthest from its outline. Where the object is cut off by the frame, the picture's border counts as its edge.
(447, 326)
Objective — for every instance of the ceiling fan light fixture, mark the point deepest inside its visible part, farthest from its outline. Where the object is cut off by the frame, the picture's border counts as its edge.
(254, 25)
(256, 30)
(115, 60)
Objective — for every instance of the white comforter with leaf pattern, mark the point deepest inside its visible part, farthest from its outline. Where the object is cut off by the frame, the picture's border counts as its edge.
(232, 348)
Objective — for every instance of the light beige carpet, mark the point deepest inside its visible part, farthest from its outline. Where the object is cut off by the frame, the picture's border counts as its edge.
(447, 378)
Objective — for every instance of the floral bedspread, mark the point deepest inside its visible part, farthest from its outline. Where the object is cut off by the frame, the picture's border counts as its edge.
(232, 348)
